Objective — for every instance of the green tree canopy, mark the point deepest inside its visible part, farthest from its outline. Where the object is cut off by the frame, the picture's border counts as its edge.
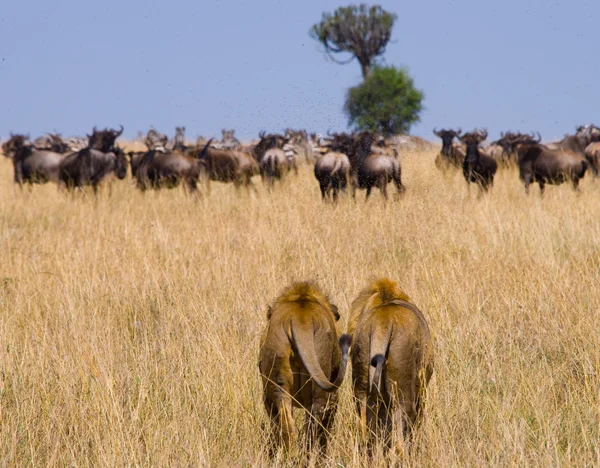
(361, 31)
(387, 102)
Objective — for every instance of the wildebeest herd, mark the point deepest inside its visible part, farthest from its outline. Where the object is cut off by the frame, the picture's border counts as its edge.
(551, 163)
(341, 161)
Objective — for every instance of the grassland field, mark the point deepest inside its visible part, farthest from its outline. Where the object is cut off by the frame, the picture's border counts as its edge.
(129, 324)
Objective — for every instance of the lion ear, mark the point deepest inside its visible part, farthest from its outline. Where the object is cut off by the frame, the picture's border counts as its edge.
(336, 314)
(269, 312)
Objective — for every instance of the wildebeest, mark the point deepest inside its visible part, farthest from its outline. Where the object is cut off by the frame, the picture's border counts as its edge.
(584, 136)
(499, 150)
(32, 165)
(451, 154)
(273, 162)
(267, 141)
(333, 173)
(478, 167)
(503, 149)
(159, 169)
(592, 154)
(538, 163)
(392, 362)
(93, 164)
(226, 165)
(371, 169)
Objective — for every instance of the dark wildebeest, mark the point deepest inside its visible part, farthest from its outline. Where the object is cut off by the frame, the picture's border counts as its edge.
(478, 167)
(537, 163)
(369, 169)
(333, 172)
(32, 165)
(266, 142)
(273, 162)
(579, 143)
(158, 169)
(451, 154)
(503, 149)
(95, 163)
(226, 165)
(499, 150)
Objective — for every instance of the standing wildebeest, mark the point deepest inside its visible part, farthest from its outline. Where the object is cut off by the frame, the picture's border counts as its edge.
(499, 150)
(93, 164)
(372, 169)
(301, 364)
(32, 165)
(539, 164)
(451, 154)
(333, 172)
(585, 135)
(226, 165)
(392, 362)
(158, 169)
(273, 162)
(592, 154)
(478, 167)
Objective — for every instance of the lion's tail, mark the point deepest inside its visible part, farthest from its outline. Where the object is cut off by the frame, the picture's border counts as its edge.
(379, 344)
(302, 333)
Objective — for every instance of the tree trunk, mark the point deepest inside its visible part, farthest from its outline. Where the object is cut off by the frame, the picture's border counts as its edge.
(365, 66)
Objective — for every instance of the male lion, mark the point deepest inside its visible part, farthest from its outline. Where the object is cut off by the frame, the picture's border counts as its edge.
(392, 361)
(299, 356)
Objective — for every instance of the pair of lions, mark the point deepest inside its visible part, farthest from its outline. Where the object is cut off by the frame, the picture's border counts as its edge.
(303, 359)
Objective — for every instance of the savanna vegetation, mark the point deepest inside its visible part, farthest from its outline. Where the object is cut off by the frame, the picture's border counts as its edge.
(129, 323)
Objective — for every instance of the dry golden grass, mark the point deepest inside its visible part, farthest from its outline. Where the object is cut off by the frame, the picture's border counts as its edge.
(129, 325)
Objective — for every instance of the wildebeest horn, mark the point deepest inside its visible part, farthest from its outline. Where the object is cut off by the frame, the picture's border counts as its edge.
(482, 134)
(261, 134)
(120, 132)
(458, 132)
(435, 132)
(539, 139)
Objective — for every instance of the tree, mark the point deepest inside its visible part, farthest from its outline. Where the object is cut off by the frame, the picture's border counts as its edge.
(361, 31)
(387, 102)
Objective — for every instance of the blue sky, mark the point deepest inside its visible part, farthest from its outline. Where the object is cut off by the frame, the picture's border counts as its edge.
(251, 65)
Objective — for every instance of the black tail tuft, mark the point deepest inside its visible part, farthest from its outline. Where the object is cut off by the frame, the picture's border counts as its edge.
(378, 360)
(345, 342)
